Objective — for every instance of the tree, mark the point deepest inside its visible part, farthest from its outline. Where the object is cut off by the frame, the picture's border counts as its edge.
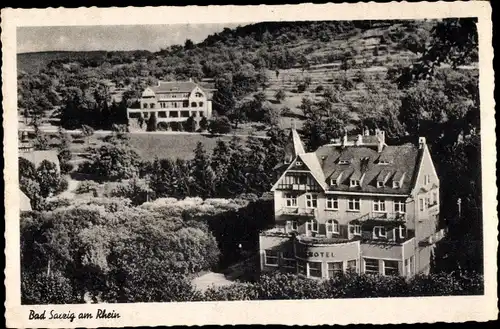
(220, 162)
(223, 99)
(41, 141)
(87, 132)
(280, 95)
(203, 174)
(112, 162)
(190, 124)
(48, 178)
(152, 122)
(40, 288)
(188, 44)
(203, 123)
(219, 125)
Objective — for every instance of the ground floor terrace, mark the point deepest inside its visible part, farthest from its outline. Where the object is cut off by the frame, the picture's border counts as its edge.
(324, 258)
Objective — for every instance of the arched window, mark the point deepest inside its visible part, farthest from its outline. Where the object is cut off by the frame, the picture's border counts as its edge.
(193, 104)
(145, 105)
(200, 104)
(152, 105)
(332, 226)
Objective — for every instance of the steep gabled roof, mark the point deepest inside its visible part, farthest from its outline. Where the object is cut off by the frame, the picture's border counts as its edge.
(404, 159)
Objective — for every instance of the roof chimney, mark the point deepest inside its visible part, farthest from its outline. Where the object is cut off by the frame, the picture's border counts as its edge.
(421, 142)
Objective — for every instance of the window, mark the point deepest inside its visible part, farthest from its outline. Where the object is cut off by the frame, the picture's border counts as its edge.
(344, 161)
(379, 232)
(379, 205)
(174, 105)
(401, 231)
(312, 226)
(354, 182)
(391, 267)
(380, 184)
(356, 229)
(145, 105)
(185, 114)
(174, 114)
(399, 206)
(291, 226)
(185, 104)
(352, 265)
(335, 268)
(311, 201)
(198, 94)
(371, 266)
(193, 104)
(333, 182)
(290, 200)
(288, 261)
(134, 115)
(201, 113)
(332, 226)
(162, 114)
(314, 269)
(298, 163)
(353, 204)
(146, 114)
(271, 257)
(200, 104)
(301, 267)
(435, 198)
(396, 184)
(421, 204)
(407, 267)
(332, 202)
(427, 179)
(152, 105)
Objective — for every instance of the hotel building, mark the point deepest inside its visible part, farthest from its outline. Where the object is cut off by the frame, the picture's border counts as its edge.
(356, 203)
(173, 101)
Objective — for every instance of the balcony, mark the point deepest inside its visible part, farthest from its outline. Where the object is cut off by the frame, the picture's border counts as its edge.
(315, 240)
(298, 212)
(383, 216)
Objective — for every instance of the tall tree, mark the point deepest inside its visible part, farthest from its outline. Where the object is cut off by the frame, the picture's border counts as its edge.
(203, 174)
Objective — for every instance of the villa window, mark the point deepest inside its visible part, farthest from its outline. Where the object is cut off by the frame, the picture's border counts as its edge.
(332, 203)
(335, 268)
(353, 204)
(199, 94)
(145, 105)
(152, 105)
(332, 226)
(399, 207)
(146, 115)
(401, 231)
(396, 184)
(298, 163)
(380, 232)
(356, 229)
(380, 184)
(193, 104)
(288, 261)
(333, 182)
(391, 267)
(185, 104)
(371, 266)
(291, 226)
(290, 200)
(427, 179)
(435, 198)
(200, 104)
(162, 114)
(174, 114)
(312, 226)
(314, 269)
(421, 204)
(185, 114)
(352, 265)
(379, 205)
(311, 201)
(271, 257)
(201, 113)
(354, 182)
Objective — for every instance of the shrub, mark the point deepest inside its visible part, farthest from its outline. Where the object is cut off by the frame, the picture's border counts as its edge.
(320, 88)
(238, 291)
(219, 125)
(163, 126)
(43, 288)
(152, 122)
(86, 187)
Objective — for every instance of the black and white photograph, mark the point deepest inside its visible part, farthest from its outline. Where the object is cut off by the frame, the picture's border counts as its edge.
(268, 160)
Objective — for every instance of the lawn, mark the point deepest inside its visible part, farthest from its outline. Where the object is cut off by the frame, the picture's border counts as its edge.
(153, 145)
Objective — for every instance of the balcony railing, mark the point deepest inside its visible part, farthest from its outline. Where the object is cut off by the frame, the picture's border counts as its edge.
(320, 240)
(299, 212)
(388, 216)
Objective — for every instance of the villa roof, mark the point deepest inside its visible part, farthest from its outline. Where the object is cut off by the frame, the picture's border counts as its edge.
(174, 86)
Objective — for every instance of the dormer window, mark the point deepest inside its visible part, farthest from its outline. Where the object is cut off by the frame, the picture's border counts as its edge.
(380, 184)
(396, 184)
(343, 162)
(333, 182)
(354, 182)
(298, 163)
